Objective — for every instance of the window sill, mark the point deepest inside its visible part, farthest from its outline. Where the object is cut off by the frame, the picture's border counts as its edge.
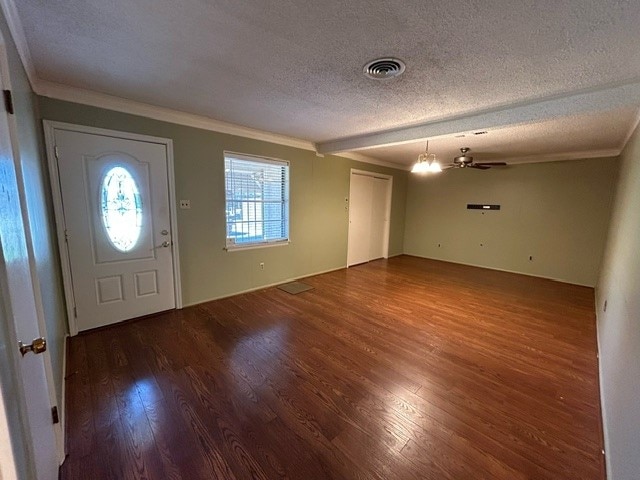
(253, 246)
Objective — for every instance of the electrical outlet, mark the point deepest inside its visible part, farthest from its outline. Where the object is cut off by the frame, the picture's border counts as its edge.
(261, 265)
(185, 204)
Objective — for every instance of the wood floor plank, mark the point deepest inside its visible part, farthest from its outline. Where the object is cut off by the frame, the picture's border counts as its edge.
(397, 369)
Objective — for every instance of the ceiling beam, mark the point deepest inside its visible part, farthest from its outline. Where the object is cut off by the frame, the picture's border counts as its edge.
(586, 101)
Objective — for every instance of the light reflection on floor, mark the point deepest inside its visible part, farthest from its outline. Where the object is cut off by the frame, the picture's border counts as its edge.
(132, 404)
(148, 391)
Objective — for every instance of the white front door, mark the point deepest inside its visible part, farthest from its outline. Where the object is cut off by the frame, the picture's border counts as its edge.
(19, 309)
(117, 221)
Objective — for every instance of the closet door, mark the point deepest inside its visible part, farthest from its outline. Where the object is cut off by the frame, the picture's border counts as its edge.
(369, 217)
(378, 234)
(360, 193)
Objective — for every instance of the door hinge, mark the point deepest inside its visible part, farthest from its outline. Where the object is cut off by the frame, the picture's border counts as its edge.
(75, 312)
(8, 101)
(66, 235)
(54, 415)
(55, 152)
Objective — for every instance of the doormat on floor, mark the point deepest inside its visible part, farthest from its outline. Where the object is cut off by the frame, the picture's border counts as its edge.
(295, 288)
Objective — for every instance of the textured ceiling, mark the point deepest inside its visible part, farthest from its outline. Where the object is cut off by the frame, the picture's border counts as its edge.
(566, 138)
(295, 67)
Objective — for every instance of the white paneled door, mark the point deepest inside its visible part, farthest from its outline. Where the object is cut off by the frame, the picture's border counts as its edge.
(19, 320)
(117, 226)
(369, 217)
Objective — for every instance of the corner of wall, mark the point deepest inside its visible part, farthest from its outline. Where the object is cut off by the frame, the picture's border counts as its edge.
(603, 407)
(618, 330)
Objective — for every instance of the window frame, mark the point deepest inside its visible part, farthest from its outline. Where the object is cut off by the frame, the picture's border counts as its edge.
(230, 244)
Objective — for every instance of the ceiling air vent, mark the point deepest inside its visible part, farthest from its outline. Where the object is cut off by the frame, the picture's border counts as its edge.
(384, 68)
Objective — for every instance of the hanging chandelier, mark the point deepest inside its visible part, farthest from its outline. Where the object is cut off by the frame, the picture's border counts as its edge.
(427, 163)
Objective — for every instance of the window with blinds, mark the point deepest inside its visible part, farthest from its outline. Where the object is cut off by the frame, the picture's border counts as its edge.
(257, 200)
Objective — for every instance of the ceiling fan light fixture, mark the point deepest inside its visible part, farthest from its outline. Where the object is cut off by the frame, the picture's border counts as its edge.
(466, 161)
(464, 158)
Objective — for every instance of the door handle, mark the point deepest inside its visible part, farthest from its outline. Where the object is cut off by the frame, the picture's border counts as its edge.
(39, 345)
(165, 244)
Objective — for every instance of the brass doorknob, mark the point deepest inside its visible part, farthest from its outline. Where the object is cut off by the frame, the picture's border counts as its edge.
(165, 244)
(39, 345)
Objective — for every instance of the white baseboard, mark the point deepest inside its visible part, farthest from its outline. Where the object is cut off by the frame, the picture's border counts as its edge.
(261, 287)
(603, 408)
(291, 279)
(561, 280)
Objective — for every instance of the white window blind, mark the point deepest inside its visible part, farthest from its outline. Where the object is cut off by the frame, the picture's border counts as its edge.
(257, 200)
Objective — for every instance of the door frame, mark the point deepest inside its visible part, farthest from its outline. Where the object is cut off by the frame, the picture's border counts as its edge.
(50, 128)
(387, 227)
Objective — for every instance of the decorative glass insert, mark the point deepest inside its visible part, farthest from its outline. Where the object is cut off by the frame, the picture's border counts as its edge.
(121, 208)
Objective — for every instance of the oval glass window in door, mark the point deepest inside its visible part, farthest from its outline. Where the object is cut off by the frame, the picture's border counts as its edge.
(121, 208)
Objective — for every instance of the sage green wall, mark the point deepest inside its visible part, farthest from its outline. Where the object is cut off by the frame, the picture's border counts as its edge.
(619, 325)
(556, 212)
(319, 220)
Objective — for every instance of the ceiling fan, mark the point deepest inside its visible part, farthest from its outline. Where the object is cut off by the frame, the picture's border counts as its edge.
(466, 161)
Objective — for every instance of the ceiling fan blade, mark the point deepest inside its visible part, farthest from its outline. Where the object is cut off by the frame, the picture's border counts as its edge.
(492, 164)
(478, 166)
(447, 167)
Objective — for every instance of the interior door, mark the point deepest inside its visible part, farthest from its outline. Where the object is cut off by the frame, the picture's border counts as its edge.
(117, 226)
(17, 298)
(369, 217)
(360, 192)
(378, 236)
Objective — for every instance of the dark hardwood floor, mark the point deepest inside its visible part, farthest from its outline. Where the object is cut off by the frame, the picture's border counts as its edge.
(398, 369)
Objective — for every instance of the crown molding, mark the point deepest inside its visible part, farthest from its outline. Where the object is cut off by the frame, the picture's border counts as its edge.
(19, 38)
(632, 129)
(110, 102)
(123, 105)
(561, 157)
(358, 157)
(118, 104)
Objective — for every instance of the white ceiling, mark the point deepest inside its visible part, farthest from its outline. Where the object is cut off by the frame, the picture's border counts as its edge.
(547, 79)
